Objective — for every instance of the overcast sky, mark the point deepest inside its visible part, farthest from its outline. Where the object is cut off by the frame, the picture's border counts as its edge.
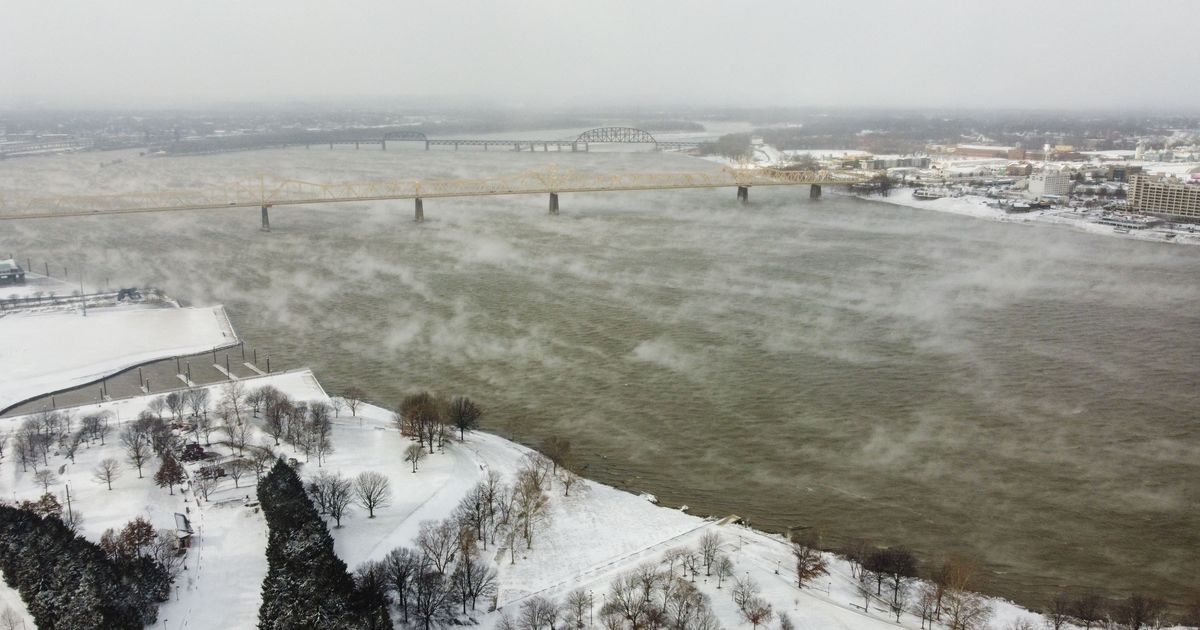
(941, 53)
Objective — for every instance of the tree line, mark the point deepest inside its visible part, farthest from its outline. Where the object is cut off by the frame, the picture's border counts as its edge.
(71, 583)
(307, 585)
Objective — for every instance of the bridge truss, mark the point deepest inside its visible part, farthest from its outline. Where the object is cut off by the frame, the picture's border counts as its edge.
(273, 191)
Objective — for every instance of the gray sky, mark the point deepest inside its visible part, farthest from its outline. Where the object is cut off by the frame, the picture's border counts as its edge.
(881, 53)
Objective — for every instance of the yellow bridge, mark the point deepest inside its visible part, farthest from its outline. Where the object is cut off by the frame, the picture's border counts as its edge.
(270, 191)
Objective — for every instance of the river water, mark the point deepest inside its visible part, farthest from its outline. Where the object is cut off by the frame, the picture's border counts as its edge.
(1027, 394)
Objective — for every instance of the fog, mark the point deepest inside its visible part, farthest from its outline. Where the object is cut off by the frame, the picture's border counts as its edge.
(1025, 393)
(543, 53)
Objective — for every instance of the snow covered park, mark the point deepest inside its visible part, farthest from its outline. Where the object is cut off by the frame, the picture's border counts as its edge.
(585, 541)
(43, 352)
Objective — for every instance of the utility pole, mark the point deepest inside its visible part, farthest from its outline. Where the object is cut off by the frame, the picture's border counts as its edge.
(70, 514)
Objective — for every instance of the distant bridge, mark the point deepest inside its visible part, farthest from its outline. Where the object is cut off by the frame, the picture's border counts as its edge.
(600, 135)
(268, 192)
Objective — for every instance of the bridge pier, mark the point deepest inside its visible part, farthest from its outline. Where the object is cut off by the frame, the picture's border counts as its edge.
(743, 194)
(266, 218)
(355, 146)
(419, 211)
(553, 203)
(814, 192)
(455, 146)
(426, 145)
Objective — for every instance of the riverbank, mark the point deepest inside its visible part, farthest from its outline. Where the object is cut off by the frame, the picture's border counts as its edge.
(586, 539)
(1078, 219)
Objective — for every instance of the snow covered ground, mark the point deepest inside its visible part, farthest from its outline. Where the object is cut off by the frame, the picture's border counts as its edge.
(37, 284)
(976, 206)
(46, 352)
(591, 537)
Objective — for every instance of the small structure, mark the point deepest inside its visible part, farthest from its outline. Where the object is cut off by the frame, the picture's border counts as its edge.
(192, 453)
(212, 472)
(183, 530)
(11, 272)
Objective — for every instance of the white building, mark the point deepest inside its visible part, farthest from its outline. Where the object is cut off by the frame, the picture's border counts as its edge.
(1048, 183)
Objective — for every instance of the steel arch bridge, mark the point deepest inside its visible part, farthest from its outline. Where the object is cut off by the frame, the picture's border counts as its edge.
(628, 135)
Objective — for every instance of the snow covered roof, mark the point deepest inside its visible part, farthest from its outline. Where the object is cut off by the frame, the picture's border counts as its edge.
(9, 265)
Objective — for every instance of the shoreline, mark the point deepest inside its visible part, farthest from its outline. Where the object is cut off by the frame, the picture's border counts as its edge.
(974, 206)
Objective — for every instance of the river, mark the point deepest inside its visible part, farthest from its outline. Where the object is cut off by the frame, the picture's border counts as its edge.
(1027, 394)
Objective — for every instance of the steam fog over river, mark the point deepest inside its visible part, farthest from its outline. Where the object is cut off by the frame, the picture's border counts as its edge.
(1027, 393)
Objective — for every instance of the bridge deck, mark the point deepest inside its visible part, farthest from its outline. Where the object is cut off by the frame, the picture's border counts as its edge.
(296, 192)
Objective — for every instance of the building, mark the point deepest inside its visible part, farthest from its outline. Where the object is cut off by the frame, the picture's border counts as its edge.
(1050, 183)
(988, 151)
(11, 272)
(881, 162)
(1166, 197)
(1019, 169)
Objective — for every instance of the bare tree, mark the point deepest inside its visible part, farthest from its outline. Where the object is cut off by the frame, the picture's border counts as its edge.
(156, 405)
(107, 471)
(237, 468)
(353, 396)
(472, 578)
(1140, 611)
(810, 561)
(372, 491)
(431, 595)
(401, 565)
(414, 453)
(197, 400)
(464, 415)
(337, 494)
(239, 434)
(855, 551)
(262, 458)
(531, 504)
(420, 417)
(558, 451)
(204, 484)
(176, 402)
(710, 546)
(1058, 611)
(46, 478)
(338, 405)
(926, 603)
(1088, 608)
(576, 606)
(724, 570)
(233, 394)
(137, 446)
(438, 540)
(538, 612)
(567, 479)
(965, 609)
